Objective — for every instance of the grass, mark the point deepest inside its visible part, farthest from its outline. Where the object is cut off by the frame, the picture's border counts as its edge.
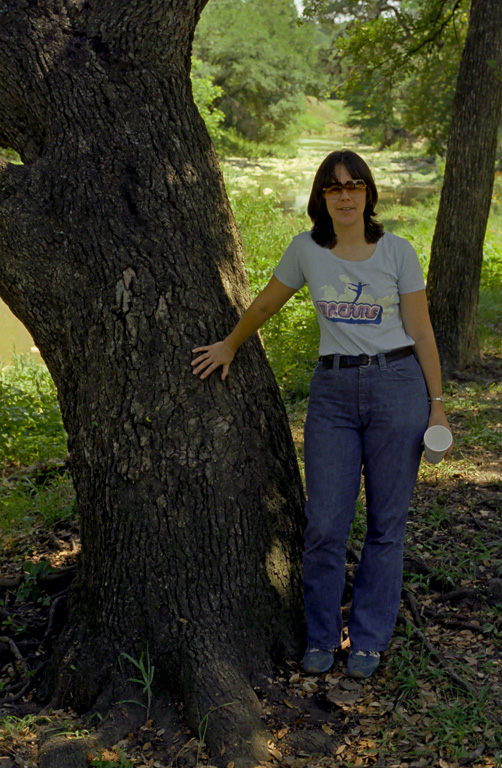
(290, 337)
(325, 117)
(33, 487)
(147, 671)
(26, 502)
(431, 714)
(31, 429)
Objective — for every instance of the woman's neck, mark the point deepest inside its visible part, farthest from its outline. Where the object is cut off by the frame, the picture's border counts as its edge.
(351, 244)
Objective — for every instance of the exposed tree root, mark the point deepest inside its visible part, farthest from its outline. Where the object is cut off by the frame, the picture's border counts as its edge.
(18, 690)
(224, 711)
(457, 595)
(61, 752)
(221, 708)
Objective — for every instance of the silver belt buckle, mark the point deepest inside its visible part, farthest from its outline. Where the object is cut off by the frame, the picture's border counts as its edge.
(366, 365)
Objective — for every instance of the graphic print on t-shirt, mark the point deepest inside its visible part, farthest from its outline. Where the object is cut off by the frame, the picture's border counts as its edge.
(353, 305)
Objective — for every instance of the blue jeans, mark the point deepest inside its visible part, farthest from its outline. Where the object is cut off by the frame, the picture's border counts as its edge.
(371, 419)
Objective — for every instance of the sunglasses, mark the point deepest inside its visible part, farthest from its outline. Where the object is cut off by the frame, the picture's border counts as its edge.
(353, 187)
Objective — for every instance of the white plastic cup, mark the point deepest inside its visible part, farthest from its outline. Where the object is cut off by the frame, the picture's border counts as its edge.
(437, 440)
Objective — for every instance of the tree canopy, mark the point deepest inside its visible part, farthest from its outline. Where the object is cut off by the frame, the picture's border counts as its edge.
(396, 63)
(263, 61)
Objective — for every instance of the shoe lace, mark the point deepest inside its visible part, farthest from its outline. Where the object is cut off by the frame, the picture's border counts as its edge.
(375, 654)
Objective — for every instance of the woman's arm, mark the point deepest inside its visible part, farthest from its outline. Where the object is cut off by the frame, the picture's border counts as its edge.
(266, 304)
(417, 324)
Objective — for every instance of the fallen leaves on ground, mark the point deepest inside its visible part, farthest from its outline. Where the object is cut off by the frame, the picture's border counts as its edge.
(449, 631)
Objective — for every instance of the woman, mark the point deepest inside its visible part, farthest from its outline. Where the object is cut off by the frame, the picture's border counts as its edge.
(374, 392)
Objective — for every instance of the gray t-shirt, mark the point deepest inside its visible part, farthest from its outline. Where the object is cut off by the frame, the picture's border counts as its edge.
(357, 302)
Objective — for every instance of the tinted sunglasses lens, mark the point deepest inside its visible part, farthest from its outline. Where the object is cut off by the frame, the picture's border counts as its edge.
(334, 189)
(355, 186)
(352, 187)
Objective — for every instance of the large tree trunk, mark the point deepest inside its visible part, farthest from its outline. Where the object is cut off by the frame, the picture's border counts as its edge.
(457, 247)
(119, 253)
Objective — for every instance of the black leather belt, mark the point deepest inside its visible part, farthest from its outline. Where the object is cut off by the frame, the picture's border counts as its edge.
(364, 361)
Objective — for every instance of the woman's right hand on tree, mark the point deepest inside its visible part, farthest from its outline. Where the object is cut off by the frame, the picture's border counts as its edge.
(267, 303)
(213, 356)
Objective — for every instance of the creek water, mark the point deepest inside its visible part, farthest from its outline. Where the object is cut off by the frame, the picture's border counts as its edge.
(399, 179)
(14, 338)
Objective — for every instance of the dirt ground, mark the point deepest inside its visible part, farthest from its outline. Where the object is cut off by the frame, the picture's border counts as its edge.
(450, 620)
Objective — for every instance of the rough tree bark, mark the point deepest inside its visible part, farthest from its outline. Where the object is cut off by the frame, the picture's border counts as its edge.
(457, 247)
(119, 253)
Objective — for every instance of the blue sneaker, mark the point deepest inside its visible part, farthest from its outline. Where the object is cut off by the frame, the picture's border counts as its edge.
(316, 660)
(362, 664)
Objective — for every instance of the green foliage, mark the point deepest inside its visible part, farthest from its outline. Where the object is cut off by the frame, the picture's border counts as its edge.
(205, 92)
(263, 61)
(24, 502)
(414, 222)
(291, 336)
(30, 421)
(491, 276)
(147, 671)
(31, 433)
(427, 97)
(10, 154)
(67, 727)
(12, 627)
(15, 725)
(374, 109)
(325, 118)
(489, 333)
(231, 143)
(396, 65)
(29, 588)
(430, 705)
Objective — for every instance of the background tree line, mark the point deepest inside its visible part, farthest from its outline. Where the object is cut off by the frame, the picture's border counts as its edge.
(394, 63)
(263, 62)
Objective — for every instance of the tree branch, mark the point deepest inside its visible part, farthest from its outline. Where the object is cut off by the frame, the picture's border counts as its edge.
(438, 657)
(415, 37)
(31, 40)
(436, 33)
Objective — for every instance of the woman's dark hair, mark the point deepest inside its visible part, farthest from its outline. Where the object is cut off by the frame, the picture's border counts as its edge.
(322, 230)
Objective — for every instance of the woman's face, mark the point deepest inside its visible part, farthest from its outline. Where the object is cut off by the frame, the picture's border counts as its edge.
(345, 208)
